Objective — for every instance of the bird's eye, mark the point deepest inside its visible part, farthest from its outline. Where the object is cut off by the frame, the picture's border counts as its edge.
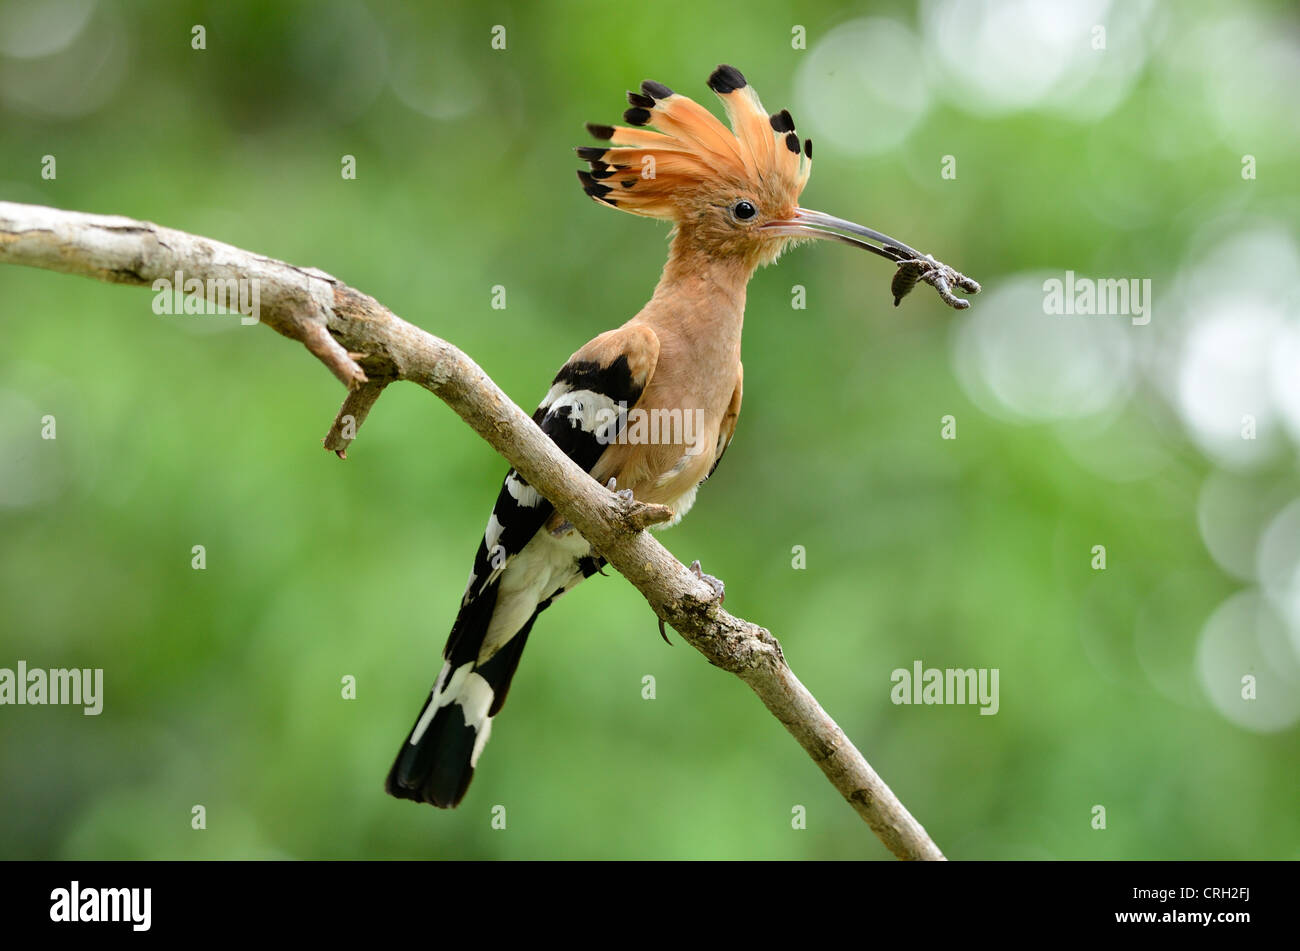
(744, 210)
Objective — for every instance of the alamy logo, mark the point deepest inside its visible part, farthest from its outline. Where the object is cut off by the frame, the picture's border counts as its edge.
(951, 685)
(651, 427)
(1109, 297)
(60, 685)
(103, 904)
(183, 295)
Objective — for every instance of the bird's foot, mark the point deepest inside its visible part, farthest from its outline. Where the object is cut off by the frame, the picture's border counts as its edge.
(715, 584)
(624, 494)
(719, 588)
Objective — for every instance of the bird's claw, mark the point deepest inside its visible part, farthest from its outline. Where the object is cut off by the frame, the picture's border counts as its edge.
(935, 273)
(663, 633)
(624, 494)
(716, 584)
(719, 588)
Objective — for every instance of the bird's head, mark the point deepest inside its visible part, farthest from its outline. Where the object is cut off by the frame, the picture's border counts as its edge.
(731, 193)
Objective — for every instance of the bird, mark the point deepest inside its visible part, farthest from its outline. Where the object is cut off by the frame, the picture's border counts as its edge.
(731, 196)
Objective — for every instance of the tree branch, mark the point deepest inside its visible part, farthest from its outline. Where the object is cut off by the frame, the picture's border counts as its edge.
(367, 347)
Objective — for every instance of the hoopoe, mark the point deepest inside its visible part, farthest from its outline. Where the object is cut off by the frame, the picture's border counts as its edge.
(732, 197)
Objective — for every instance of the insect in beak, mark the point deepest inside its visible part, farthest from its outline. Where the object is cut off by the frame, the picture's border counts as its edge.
(913, 266)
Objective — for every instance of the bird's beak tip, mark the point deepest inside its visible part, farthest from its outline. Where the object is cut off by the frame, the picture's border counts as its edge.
(913, 266)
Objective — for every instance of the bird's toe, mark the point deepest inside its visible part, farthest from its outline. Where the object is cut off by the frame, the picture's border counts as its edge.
(719, 588)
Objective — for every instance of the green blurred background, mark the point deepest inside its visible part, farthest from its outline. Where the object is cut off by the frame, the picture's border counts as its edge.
(1119, 687)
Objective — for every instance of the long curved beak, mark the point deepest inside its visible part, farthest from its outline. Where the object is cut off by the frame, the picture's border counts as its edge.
(815, 224)
(913, 266)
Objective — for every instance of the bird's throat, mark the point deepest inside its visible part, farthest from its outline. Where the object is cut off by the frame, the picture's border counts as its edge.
(701, 296)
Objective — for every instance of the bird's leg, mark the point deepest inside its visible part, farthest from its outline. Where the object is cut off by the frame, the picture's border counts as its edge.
(719, 589)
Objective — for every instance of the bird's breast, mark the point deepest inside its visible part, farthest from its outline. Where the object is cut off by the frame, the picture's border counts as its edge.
(669, 442)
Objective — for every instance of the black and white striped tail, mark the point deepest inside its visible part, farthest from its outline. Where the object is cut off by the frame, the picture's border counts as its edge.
(436, 763)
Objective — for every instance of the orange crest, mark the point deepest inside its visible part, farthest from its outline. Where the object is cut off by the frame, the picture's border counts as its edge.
(693, 155)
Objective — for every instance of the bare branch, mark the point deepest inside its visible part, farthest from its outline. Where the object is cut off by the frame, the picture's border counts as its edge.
(352, 414)
(367, 347)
